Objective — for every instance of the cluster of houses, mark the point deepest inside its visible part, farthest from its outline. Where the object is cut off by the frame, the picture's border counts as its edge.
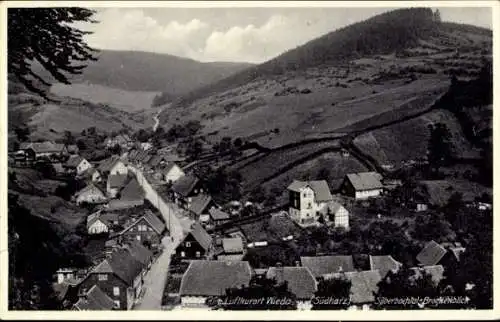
(209, 277)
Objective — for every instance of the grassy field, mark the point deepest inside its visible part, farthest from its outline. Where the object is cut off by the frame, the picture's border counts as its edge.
(129, 101)
(409, 140)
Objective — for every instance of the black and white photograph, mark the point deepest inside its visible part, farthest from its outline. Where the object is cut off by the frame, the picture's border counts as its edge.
(209, 157)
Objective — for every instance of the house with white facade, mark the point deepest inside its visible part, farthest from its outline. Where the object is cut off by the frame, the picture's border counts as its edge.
(172, 172)
(362, 185)
(90, 194)
(308, 201)
(338, 215)
(113, 166)
(77, 165)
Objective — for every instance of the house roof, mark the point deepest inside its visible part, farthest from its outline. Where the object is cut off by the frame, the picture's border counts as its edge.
(321, 265)
(201, 236)
(365, 180)
(230, 257)
(384, 264)
(155, 160)
(199, 203)
(169, 166)
(185, 185)
(232, 245)
(218, 214)
(431, 254)
(108, 164)
(122, 264)
(139, 252)
(320, 188)
(212, 278)
(132, 191)
(364, 285)
(43, 147)
(436, 272)
(117, 180)
(152, 219)
(73, 161)
(89, 187)
(95, 299)
(300, 280)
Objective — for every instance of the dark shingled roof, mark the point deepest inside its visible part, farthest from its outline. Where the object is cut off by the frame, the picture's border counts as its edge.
(201, 236)
(117, 180)
(94, 300)
(139, 252)
(132, 191)
(73, 161)
(43, 147)
(122, 264)
(431, 254)
(365, 180)
(199, 203)
(212, 278)
(384, 264)
(185, 185)
(152, 219)
(321, 265)
(320, 188)
(300, 280)
(106, 165)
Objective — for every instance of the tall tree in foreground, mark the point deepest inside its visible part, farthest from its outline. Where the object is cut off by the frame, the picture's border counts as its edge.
(46, 36)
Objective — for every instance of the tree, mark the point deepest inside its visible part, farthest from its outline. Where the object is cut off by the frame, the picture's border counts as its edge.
(432, 227)
(440, 147)
(22, 133)
(194, 148)
(324, 174)
(46, 168)
(258, 194)
(404, 284)
(262, 294)
(68, 138)
(332, 294)
(46, 35)
(81, 144)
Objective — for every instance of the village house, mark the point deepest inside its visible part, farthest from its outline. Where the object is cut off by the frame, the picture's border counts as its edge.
(209, 278)
(200, 205)
(364, 286)
(435, 254)
(172, 172)
(77, 165)
(91, 174)
(115, 183)
(147, 228)
(362, 185)
(322, 265)
(132, 195)
(140, 253)
(48, 149)
(300, 282)
(66, 291)
(308, 201)
(384, 264)
(94, 299)
(101, 222)
(232, 249)
(122, 140)
(112, 166)
(184, 189)
(119, 276)
(197, 244)
(90, 194)
(218, 217)
(337, 215)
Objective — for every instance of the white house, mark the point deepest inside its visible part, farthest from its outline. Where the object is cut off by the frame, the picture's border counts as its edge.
(308, 201)
(90, 194)
(172, 172)
(77, 164)
(113, 166)
(338, 215)
(362, 185)
(95, 225)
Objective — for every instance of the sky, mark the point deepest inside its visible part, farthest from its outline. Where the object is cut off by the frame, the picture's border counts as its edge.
(233, 34)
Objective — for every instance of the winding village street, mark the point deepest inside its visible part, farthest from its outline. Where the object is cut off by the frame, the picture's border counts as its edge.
(154, 280)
